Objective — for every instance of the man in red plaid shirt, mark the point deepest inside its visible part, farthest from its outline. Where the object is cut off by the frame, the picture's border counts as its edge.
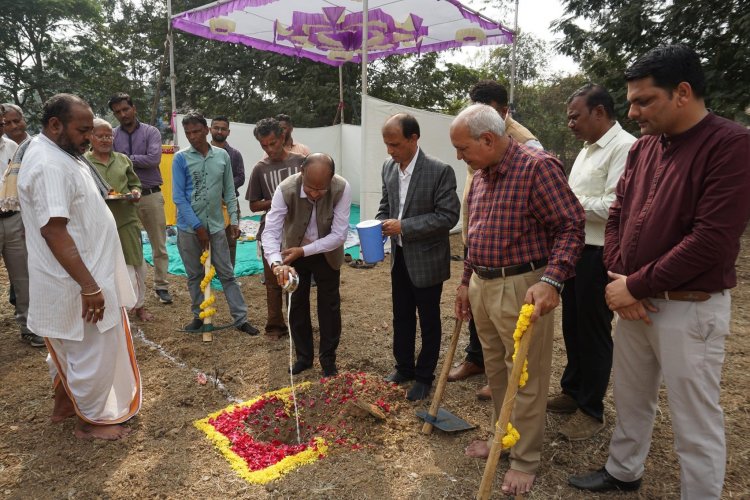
(525, 235)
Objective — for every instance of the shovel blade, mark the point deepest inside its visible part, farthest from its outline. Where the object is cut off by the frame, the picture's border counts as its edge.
(445, 421)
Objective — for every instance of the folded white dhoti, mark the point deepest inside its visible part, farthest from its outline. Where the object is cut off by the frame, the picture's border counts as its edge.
(99, 373)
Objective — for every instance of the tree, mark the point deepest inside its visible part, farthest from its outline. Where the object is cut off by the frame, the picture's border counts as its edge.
(620, 31)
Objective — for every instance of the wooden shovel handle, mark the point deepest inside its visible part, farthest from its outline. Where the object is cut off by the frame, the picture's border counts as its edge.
(447, 362)
(485, 488)
(207, 335)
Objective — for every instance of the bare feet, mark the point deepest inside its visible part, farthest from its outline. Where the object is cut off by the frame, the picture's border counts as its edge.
(142, 314)
(517, 482)
(63, 405)
(106, 432)
(478, 449)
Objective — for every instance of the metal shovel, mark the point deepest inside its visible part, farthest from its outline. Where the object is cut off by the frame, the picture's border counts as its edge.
(440, 417)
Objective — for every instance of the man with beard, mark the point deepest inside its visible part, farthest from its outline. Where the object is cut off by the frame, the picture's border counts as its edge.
(219, 133)
(201, 181)
(265, 178)
(288, 127)
(142, 144)
(77, 276)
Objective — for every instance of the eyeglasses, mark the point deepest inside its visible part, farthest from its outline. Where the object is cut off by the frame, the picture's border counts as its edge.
(104, 137)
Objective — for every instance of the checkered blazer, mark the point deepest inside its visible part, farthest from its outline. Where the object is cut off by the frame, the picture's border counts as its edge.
(431, 210)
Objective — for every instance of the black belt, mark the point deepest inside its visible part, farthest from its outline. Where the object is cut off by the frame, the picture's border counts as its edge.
(490, 273)
(4, 215)
(147, 191)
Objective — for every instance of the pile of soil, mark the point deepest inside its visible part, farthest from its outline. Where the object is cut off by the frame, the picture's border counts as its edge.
(167, 457)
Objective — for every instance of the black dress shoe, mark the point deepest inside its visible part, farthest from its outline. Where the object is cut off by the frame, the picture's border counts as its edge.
(330, 371)
(194, 326)
(397, 378)
(300, 366)
(164, 296)
(418, 391)
(602, 480)
(248, 328)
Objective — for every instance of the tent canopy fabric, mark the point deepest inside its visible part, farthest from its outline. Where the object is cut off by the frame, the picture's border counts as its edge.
(330, 31)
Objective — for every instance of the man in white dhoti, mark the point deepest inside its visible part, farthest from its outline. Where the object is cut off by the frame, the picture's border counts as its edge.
(78, 281)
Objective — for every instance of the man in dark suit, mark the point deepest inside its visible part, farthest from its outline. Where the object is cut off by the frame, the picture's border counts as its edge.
(418, 209)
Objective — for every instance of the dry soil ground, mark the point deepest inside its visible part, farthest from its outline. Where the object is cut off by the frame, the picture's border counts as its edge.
(166, 457)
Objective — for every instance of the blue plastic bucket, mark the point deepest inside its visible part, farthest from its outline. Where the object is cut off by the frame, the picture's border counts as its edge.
(371, 240)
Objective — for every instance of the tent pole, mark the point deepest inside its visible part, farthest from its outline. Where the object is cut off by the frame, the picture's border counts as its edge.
(513, 64)
(172, 77)
(364, 196)
(341, 94)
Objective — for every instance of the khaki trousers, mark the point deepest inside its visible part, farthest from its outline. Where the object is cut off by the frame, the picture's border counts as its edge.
(685, 348)
(151, 213)
(495, 305)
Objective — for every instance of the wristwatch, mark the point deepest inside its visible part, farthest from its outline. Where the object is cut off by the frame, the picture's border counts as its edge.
(558, 286)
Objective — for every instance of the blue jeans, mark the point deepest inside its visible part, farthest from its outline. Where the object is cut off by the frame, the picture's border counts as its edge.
(190, 253)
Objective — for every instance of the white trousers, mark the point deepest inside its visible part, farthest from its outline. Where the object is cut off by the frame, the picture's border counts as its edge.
(99, 373)
(685, 348)
(137, 276)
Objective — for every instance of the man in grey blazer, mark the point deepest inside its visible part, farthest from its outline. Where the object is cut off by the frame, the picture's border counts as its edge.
(418, 209)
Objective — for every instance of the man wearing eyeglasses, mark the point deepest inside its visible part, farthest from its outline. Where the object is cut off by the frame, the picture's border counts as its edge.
(310, 216)
(219, 134)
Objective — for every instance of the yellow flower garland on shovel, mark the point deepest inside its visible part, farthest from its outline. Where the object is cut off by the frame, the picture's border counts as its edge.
(206, 310)
(506, 436)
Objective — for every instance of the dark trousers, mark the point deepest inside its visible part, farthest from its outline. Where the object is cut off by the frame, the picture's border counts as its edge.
(329, 311)
(587, 330)
(407, 301)
(474, 349)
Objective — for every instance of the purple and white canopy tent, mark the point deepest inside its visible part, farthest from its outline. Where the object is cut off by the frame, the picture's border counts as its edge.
(331, 31)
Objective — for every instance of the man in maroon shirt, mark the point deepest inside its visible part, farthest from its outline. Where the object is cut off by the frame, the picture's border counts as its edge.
(525, 235)
(671, 242)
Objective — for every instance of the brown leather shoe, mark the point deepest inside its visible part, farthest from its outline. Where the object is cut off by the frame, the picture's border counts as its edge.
(581, 426)
(484, 393)
(562, 403)
(464, 370)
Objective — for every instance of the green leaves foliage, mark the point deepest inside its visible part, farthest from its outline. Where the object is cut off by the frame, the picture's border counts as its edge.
(605, 36)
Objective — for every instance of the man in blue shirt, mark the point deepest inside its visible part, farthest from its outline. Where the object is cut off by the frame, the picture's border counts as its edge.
(201, 180)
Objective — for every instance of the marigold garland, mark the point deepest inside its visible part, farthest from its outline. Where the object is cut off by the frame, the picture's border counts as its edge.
(206, 310)
(524, 320)
(511, 436)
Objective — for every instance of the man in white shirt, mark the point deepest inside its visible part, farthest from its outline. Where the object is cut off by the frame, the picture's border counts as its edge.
(12, 240)
(310, 215)
(419, 207)
(78, 276)
(587, 321)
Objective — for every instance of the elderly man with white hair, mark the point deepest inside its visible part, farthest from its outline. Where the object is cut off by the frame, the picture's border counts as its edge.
(117, 170)
(525, 234)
